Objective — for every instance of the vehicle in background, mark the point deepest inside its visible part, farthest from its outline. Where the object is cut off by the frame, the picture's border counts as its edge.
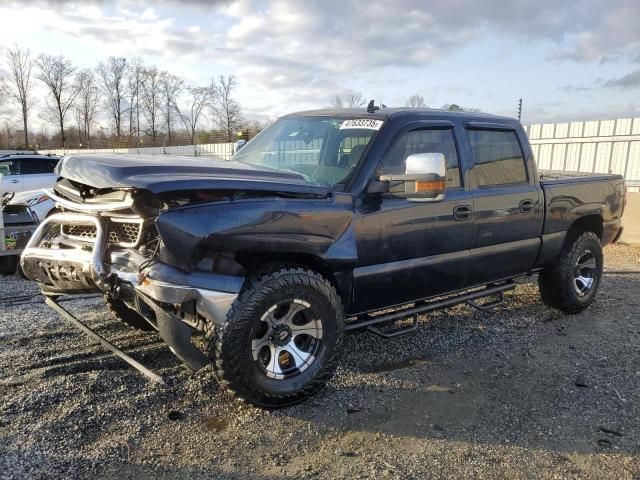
(24, 172)
(17, 224)
(328, 221)
(39, 203)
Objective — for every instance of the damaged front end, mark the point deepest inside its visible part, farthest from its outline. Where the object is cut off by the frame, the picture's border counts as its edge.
(106, 241)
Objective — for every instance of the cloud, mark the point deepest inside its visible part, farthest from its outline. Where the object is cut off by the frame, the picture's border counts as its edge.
(601, 31)
(630, 80)
(332, 41)
(299, 53)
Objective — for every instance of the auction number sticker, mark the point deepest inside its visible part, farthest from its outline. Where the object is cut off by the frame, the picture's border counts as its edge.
(366, 123)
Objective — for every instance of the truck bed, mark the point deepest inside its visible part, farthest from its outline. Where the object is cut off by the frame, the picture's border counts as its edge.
(569, 197)
(550, 177)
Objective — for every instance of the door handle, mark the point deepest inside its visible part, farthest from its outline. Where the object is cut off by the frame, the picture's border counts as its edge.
(15, 181)
(526, 206)
(462, 212)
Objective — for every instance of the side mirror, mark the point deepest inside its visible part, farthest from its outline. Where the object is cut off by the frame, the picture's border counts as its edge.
(424, 180)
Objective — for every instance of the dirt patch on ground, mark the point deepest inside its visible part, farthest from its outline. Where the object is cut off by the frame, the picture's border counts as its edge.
(522, 392)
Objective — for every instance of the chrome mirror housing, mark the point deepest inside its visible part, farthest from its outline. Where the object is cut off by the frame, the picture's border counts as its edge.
(424, 179)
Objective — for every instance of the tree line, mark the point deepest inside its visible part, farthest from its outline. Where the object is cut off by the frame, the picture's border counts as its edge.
(357, 100)
(138, 99)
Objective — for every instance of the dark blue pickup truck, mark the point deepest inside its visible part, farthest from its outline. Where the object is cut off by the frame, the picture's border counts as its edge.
(328, 221)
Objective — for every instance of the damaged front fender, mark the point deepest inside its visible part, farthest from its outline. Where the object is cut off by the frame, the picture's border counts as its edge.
(318, 227)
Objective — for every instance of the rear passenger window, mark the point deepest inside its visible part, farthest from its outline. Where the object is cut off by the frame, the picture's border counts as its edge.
(497, 157)
(428, 140)
(33, 166)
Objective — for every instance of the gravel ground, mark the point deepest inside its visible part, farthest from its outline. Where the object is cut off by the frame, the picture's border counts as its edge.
(620, 255)
(522, 392)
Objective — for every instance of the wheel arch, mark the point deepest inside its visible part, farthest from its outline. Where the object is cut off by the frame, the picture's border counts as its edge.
(588, 223)
(342, 280)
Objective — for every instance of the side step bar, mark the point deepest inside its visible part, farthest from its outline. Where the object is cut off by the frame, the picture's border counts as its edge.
(154, 377)
(425, 307)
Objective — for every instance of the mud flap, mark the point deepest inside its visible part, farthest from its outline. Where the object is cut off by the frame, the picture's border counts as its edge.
(177, 335)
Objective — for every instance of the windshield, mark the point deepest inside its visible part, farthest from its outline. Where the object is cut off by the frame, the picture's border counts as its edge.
(324, 150)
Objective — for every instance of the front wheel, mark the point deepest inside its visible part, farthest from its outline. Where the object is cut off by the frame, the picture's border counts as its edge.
(572, 283)
(282, 340)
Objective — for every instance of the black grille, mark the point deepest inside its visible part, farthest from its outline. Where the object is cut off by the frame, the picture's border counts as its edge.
(119, 232)
(123, 232)
(85, 232)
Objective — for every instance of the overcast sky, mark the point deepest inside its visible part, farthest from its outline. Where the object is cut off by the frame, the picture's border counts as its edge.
(567, 60)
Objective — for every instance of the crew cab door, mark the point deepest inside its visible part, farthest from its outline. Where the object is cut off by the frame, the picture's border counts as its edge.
(423, 247)
(11, 180)
(507, 203)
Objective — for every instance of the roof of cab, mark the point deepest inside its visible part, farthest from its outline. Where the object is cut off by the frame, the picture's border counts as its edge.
(28, 155)
(389, 113)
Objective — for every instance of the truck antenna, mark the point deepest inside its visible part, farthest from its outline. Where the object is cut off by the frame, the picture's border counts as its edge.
(519, 109)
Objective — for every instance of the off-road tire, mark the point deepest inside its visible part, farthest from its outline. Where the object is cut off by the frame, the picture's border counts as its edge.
(229, 348)
(9, 265)
(126, 315)
(557, 284)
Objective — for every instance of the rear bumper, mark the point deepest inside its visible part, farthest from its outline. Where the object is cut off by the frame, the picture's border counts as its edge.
(611, 231)
(69, 271)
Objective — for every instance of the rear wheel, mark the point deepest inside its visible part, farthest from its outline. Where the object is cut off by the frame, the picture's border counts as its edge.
(282, 340)
(573, 283)
(123, 313)
(8, 264)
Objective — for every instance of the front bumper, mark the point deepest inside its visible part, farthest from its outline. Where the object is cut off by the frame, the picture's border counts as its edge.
(157, 292)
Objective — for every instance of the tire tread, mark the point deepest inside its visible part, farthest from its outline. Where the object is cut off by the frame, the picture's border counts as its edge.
(227, 365)
(556, 284)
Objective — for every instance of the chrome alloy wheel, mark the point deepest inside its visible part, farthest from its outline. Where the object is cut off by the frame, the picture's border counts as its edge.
(584, 273)
(287, 340)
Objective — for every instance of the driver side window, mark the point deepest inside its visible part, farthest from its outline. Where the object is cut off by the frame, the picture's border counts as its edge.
(424, 140)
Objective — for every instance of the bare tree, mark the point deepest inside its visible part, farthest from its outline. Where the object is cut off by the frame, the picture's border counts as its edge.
(4, 91)
(225, 109)
(416, 101)
(152, 99)
(112, 82)
(197, 99)
(452, 107)
(170, 87)
(351, 100)
(8, 132)
(42, 136)
(354, 100)
(77, 115)
(336, 102)
(87, 101)
(57, 75)
(20, 64)
(135, 77)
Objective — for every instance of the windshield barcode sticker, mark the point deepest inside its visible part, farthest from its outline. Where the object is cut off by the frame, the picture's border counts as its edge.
(367, 123)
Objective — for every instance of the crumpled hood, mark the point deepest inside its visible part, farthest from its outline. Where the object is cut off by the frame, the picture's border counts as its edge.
(163, 173)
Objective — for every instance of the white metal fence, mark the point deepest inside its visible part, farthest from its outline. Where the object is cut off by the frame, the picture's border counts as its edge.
(220, 150)
(598, 146)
